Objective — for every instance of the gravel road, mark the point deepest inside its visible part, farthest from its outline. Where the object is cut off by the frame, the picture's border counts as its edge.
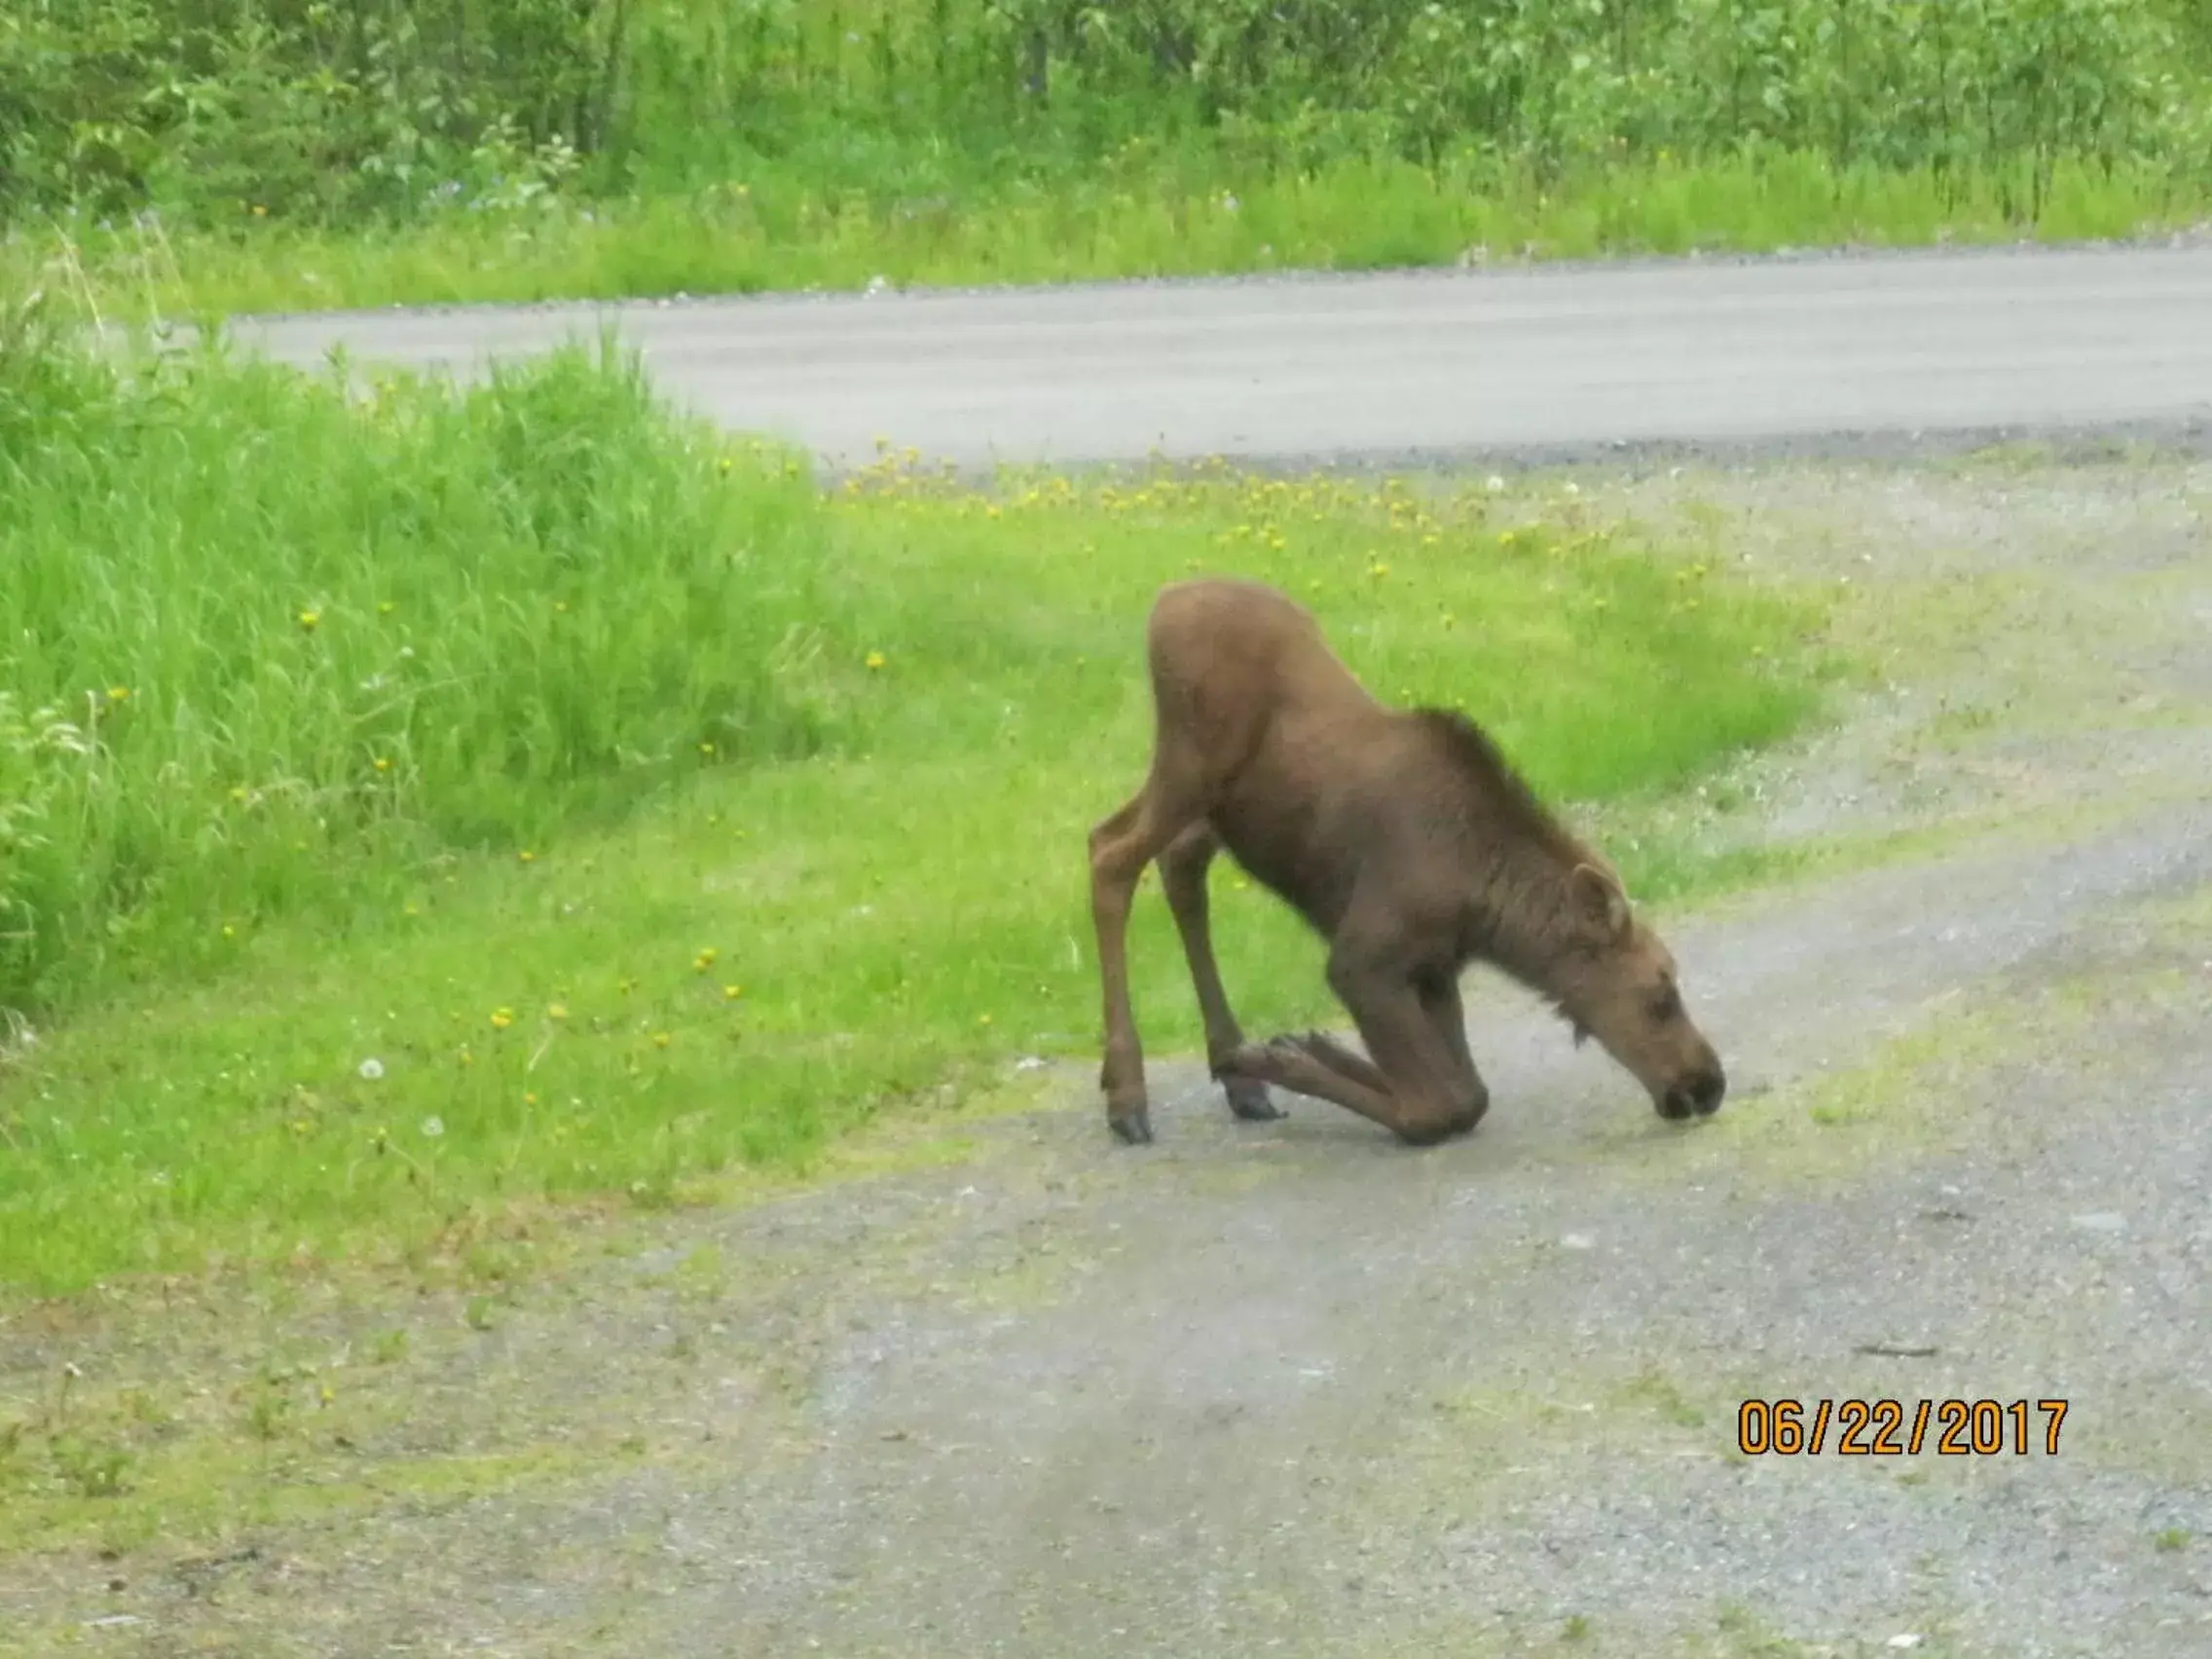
(1537, 363)
(1291, 1388)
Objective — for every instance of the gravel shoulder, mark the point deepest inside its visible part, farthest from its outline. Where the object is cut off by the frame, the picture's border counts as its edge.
(1292, 1388)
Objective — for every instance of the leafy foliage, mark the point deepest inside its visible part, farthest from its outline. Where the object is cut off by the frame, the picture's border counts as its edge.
(342, 109)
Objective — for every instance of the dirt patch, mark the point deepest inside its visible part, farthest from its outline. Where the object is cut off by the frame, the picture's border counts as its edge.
(1292, 1388)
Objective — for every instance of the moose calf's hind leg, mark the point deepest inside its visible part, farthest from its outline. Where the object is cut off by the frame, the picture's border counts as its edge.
(1113, 886)
(1120, 846)
(1183, 875)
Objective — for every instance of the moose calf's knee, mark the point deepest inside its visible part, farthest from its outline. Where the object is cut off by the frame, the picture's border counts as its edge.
(1470, 1110)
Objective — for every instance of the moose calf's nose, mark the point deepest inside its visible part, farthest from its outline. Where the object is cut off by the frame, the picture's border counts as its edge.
(1706, 1093)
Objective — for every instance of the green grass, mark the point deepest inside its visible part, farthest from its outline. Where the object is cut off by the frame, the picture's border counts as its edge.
(1117, 221)
(253, 629)
(585, 957)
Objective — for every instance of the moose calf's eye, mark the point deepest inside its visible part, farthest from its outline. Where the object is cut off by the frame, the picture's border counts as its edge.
(1666, 1005)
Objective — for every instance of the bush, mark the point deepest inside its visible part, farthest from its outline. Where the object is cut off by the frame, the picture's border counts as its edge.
(264, 639)
(277, 108)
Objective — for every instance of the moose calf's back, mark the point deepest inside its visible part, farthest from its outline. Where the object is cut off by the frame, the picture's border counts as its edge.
(1231, 658)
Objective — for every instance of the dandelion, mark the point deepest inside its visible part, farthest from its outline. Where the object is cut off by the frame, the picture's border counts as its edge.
(259, 212)
(525, 856)
(529, 1099)
(384, 607)
(433, 1126)
(501, 1018)
(707, 749)
(724, 466)
(382, 762)
(230, 932)
(311, 620)
(730, 993)
(372, 1069)
(660, 1039)
(561, 604)
(557, 1010)
(982, 1020)
(238, 793)
(704, 960)
(410, 909)
(118, 694)
(874, 659)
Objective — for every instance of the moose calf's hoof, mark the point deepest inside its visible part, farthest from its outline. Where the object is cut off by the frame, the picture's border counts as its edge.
(1132, 1128)
(1249, 1099)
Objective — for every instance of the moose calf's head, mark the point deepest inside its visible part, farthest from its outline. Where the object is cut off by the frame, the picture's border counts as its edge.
(1617, 984)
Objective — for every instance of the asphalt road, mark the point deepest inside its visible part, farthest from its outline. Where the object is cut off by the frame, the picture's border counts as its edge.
(1541, 363)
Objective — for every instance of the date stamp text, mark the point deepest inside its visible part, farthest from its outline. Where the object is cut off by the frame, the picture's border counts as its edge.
(1892, 1428)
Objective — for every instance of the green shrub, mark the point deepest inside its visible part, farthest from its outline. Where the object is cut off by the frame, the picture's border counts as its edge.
(273, 107)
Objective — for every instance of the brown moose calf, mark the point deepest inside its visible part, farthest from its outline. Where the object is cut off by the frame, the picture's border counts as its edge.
(1406, 840)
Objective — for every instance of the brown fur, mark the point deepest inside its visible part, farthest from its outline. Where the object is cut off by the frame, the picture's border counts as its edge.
(1408, 843)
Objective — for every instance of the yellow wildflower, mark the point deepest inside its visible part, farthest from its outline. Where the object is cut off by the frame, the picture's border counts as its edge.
(501, 1018)
(875, 660)
(311, 620)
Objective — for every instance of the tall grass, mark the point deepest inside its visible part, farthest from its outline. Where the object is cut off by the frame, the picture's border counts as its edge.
(503, 147)
(1352, 215)
(290, 998)
(257, 637)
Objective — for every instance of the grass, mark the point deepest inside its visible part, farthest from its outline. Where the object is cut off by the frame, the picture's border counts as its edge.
(1126, 218)
(720, 817)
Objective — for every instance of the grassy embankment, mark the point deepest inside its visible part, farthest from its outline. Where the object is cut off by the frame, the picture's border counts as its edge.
(434, 805)
(1348, 216)
(261, 158)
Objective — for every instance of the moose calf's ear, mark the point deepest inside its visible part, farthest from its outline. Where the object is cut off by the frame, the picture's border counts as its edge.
(1599, 901)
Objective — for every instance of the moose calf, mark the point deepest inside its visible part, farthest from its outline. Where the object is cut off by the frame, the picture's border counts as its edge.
(1407, 842)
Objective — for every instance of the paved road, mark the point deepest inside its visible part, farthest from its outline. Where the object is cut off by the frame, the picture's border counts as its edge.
(1541, 362)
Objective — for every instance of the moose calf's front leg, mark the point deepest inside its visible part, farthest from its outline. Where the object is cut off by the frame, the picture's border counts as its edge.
(1433, 1089)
